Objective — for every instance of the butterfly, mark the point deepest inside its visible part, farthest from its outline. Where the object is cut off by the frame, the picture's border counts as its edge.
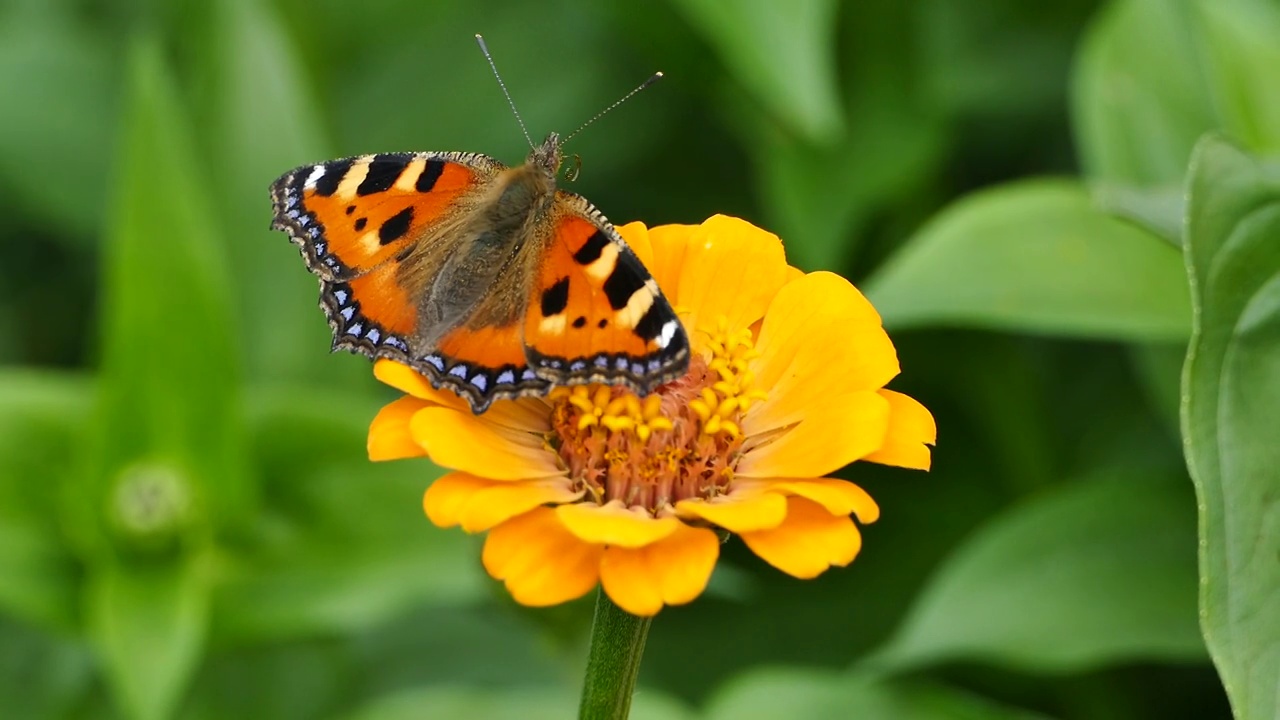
(487, 279)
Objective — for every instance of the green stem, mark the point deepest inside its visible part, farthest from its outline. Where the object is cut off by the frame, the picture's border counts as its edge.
(617, 643)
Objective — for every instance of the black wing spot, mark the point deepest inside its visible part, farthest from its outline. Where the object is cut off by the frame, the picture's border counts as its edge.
(621, 284)
(650, 326)
(555, 298)
(604, 323)
(351, 209)
(430, 174)
(360, 223)
(382, 174)
(580, 322)
(591, 249)
(332, 177)
(396, 227)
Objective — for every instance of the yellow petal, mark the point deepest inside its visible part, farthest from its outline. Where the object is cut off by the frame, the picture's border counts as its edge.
(389, 436)
(837, 430)
(669, 244)
(731, 269)
(739, 511)
(637, 237)
(615, 524)
(672, 571)
(539, 561)
(407, 380)
(530, 415)
(446, 498)
(502, 501)
(819, 336)
(459, 440)
(911, 430)
(808, 542)
(838, 497)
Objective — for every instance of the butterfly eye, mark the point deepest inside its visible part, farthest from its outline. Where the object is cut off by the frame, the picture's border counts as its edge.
(572, 173)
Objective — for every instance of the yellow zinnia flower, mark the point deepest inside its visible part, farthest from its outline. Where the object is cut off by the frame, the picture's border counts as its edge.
(593, 484)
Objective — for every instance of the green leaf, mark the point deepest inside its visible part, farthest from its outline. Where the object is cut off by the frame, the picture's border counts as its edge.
(1230, 416)
(1137, 108)
(1093, 572)
(784, 53)
(1035, 256)
(819, 695)
(165, 458)
(41, 431)
(1243, 51)
(149, 622)
(169, 389)
(512, 704)
(1158, 211)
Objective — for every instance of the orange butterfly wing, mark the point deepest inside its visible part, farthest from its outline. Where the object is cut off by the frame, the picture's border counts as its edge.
(596, 314)
(354, 218)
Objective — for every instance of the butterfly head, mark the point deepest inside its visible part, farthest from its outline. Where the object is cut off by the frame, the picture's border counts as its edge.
(547, 157)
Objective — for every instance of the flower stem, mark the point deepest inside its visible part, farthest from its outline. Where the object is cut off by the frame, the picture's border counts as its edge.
(617, 643)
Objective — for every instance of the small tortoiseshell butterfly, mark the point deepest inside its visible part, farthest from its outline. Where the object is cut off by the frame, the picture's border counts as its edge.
(487, 279)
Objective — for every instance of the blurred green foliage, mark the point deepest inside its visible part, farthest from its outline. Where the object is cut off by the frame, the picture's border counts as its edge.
(188, 528)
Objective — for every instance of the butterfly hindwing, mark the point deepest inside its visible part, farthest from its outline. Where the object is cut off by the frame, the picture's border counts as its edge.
(482, 364)
(595, 314)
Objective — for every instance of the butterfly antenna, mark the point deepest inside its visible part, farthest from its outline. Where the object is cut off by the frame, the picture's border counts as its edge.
(652, 79)
(485, 49)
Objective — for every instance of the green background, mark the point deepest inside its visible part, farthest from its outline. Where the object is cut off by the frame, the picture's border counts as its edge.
(188, 526)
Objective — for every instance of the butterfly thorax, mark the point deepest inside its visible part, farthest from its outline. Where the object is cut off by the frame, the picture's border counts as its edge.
(525, 193)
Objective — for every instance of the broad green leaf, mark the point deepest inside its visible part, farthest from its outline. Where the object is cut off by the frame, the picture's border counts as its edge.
(1242, 51)
(168, 394)
(507, 704)
(1230, 416)
(821, 695)
(149, 621)
(259, 121)
(1035, 256)
(1137, 107)
(59, 80)
(41, 430)
(1093, 572)
(1160, 212)
(784, 53)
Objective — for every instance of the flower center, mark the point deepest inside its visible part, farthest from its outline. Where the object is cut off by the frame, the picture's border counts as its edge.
(683, 441)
